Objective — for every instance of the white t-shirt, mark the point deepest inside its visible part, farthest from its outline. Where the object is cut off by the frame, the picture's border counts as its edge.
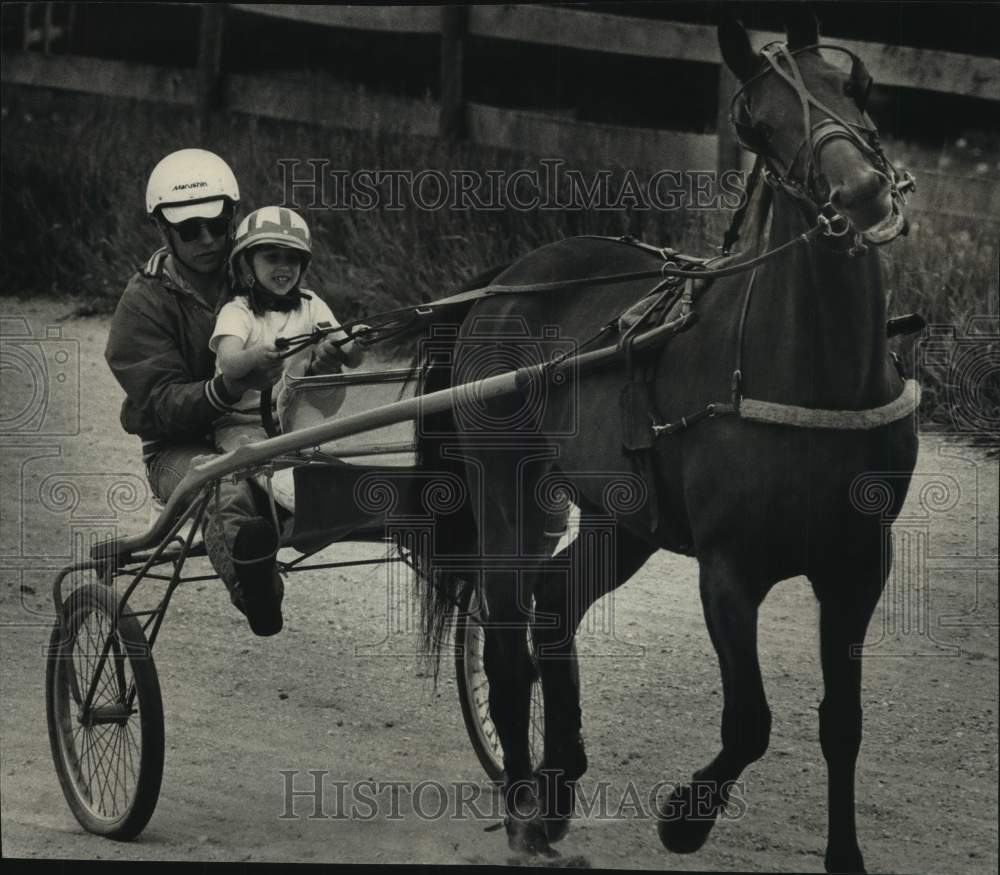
(236, 319)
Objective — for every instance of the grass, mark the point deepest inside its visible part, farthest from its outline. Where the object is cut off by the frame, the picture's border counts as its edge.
(73, 223)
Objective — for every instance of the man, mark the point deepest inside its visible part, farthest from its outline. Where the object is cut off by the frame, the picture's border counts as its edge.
(158, 351)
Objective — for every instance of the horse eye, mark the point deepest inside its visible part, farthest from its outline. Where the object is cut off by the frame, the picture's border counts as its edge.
(849, 89)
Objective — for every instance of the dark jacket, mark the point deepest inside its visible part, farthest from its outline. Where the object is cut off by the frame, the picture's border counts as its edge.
(158, 352)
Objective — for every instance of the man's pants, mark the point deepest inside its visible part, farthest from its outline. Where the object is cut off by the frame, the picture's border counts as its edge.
(229, 437)
(230, 508)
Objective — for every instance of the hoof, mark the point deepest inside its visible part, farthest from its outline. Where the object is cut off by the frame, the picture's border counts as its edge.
(556, 828)
(558, 802)
(528, 837)
(556, 788)
(686, 821)
(848, 860)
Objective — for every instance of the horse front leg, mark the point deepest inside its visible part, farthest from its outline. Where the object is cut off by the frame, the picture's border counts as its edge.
(510, 672)
(730, 607)
(845, 611)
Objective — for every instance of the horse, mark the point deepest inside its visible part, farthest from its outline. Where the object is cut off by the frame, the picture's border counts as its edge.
(740, 441)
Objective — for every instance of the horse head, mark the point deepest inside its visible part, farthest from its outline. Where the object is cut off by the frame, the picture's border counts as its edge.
(801, 108)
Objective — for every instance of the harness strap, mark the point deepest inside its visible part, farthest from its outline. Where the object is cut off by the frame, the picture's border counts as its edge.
(737, 385)
(638, 408)
(773, 413)
(811, 417)
(709, 411)
(732, 234)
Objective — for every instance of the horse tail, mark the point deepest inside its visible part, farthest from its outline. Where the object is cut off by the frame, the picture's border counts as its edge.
(455, 531)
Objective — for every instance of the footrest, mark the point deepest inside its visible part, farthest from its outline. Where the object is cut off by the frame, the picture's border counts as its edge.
(105, 551)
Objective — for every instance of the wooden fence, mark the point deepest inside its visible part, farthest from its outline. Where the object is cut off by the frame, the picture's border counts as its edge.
(210, 89)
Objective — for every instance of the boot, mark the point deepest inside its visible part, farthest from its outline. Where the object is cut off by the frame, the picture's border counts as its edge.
(259, 589)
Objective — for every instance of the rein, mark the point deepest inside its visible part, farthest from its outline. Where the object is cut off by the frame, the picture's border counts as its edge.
(393, 322)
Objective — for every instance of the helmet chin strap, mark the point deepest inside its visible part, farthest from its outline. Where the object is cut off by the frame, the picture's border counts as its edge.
(263, 300)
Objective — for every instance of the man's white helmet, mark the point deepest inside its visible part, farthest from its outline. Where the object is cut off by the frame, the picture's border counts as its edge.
(191, 183)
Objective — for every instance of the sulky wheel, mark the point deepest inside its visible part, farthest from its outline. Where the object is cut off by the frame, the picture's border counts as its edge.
(108, 753)
(474, 689)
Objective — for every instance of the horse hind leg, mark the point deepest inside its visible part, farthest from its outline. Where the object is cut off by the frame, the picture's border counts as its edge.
(731, 615)
(510, 673)
(844, 615)
(561, 601)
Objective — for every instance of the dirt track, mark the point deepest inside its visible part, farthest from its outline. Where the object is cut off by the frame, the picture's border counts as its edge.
(240, 709)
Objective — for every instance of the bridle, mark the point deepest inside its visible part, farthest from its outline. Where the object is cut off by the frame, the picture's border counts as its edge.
(811, 189)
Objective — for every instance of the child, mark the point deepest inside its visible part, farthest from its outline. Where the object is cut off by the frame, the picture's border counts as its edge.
(271, 251)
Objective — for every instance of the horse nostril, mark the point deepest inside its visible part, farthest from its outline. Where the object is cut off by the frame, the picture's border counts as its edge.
(867, 187)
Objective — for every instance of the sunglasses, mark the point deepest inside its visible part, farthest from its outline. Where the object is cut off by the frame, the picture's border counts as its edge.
(190, 229)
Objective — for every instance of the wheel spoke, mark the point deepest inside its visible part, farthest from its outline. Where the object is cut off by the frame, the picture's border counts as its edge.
(102, 758)
(119, 768)
(86, 762)
(132, 745)
(110, 782)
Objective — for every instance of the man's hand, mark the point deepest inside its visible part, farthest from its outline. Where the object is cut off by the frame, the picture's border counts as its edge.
(330, 354)
(327, 357)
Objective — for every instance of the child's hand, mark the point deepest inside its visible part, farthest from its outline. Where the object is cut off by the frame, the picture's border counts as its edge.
(262, 356)
(254, 367)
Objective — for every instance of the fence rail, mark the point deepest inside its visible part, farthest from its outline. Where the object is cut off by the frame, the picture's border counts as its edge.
(296, 98)
(900, 66)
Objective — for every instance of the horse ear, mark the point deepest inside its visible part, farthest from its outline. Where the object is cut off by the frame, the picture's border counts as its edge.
(801, 26)
(736, 49)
